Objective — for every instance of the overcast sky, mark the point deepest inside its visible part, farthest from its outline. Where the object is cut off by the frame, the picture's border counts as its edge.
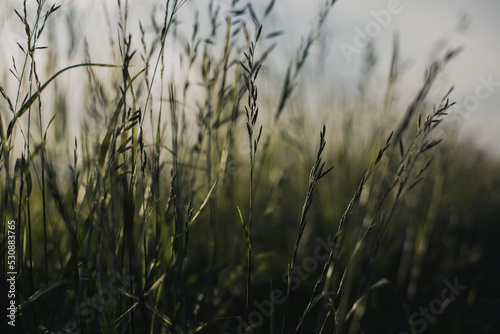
(423, 25)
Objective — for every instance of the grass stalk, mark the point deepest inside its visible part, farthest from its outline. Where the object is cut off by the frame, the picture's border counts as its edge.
(314, 176)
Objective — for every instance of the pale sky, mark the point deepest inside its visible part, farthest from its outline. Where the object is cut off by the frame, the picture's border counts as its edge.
(421, 24)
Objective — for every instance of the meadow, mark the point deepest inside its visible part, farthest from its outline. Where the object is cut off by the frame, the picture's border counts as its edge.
(189, 186)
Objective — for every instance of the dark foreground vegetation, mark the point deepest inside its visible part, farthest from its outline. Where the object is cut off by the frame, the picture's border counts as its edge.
(205, 199)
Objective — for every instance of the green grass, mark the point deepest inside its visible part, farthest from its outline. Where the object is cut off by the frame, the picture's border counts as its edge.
(199, 202)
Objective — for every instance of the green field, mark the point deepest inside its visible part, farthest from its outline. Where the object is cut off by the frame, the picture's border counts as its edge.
(187, 185)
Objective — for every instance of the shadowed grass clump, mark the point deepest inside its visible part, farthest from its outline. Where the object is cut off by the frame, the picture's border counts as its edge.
(191, 199)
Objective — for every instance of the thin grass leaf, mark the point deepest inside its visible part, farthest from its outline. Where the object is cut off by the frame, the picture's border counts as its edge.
(205, 201)
(360, 306)
(29, 101)
(162, 316)
(245, 229)
(313, 302)
(46, 289)
(103, 150)
(155, 285)
(114, 325)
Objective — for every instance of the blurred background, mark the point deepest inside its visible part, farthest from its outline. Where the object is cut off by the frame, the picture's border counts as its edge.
(424, 28)
(424, 214)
